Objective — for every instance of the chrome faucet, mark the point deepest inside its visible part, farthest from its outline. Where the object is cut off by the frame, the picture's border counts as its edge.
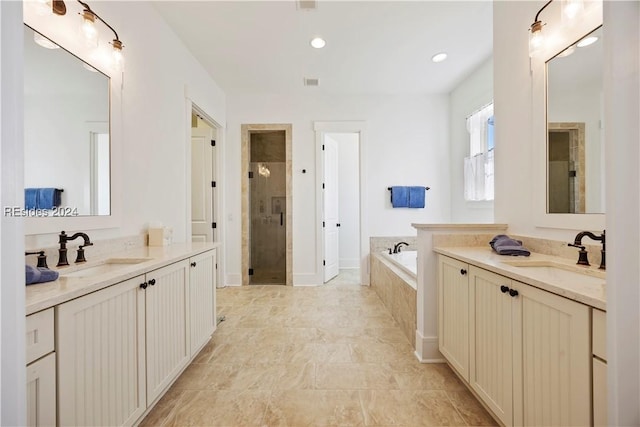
(398, 246)
(62, 251)
(582, 254)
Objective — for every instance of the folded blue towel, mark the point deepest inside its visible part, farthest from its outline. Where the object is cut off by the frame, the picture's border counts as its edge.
(39, 275)
(48, 198)
(416, 197)
(400, 197)
(505, 245)
(30, 198)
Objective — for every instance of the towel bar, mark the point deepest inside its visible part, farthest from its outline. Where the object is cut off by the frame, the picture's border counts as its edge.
(426, 188)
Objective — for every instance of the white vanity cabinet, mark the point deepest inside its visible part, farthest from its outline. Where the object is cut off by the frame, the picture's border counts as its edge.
(453, 310)
(41, 369)
(202, 294)
(529, 350)
(167, 326)
(101, 356)
(120, 348)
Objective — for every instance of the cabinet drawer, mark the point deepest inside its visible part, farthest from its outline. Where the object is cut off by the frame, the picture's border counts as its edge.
(39, 334)
(599, 334)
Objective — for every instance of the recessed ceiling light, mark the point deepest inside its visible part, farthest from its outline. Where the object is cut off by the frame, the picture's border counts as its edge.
(439, 57)
(318, 42)
(587, 41)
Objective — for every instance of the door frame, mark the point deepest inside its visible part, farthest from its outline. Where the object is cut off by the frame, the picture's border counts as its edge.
(359, 127)
(218, 172)
(246, 131)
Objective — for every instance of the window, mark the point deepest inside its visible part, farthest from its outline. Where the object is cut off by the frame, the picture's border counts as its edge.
(478, 167)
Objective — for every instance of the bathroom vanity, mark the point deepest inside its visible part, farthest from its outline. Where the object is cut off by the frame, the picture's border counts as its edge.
(105, 342)
(519, 332)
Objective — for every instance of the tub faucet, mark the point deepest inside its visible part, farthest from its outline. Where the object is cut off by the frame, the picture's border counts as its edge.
(398, 246)
(62, 251)
(582, 254)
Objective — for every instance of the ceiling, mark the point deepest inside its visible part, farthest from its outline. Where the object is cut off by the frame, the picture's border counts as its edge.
(373, 47)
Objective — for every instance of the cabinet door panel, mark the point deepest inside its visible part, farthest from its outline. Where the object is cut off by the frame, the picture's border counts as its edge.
(101, 357)
(202, 303)
(553, 381)
(41, 392)
(599, 393)
(491, 364)
(453, 313)
(168, 348)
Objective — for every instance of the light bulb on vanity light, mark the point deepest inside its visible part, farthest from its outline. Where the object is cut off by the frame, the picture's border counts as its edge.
(118, 58)
(536, 38)
(88, 28)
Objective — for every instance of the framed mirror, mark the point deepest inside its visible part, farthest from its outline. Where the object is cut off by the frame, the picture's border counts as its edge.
(574, 143)
(67, 139)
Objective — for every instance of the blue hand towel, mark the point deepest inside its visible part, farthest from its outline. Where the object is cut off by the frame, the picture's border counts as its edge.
(39, 275)
(400, 197)
(416, 197)
(504, 245)
(30, 198)
(47, 198)
(33, 274)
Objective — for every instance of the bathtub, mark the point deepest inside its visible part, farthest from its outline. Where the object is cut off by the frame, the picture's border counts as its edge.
(407, 261)
(394, 279)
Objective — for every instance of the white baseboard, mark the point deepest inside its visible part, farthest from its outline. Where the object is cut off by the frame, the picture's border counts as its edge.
(427, 349)
(234, 280)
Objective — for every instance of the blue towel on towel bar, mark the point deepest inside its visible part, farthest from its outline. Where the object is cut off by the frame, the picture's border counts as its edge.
(30, 198)
(416, 197)
(400, 197)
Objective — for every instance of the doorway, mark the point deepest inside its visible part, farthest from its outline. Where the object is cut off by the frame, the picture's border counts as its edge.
(341, 207)
(566, 168)
(266, 205)
(203, 182)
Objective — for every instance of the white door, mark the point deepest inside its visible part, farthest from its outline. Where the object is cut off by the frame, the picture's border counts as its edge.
(331, 221)
(202, 152)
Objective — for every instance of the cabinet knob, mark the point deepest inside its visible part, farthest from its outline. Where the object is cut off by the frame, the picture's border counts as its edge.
(513, 292)
(504, 289)
(193, 264)
(152, 282)
(143, 285)
(463, 271)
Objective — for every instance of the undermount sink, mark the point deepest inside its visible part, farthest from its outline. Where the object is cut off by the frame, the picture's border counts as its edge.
(108, 266)
(558, 271)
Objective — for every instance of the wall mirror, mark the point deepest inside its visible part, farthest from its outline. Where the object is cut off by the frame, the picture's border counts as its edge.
(66, 127)
(575, 149)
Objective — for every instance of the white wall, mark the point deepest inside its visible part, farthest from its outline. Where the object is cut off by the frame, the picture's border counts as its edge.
(12, 303)
(622, 133)
(348, 198)
(160, 74)
(471, 94)
(406, 144)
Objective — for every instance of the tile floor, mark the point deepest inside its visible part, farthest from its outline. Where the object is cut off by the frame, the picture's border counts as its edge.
(312, 356)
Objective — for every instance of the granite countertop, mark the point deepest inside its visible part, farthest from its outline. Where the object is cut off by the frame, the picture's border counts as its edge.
(589, 290)
(44, 295)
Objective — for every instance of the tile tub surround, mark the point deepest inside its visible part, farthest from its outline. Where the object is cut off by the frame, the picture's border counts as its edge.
(312, 356)
(378, 244)
(44, 295)
(397, 290)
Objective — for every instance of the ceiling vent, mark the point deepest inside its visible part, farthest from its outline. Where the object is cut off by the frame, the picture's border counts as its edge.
(311, 82)
(307, 4)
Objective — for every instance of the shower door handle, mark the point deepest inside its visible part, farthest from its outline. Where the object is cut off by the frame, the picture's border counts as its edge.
(281, 219)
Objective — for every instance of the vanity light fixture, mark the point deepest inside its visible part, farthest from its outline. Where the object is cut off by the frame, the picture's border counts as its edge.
(47, 7)
(90, 33)
(571, 9)
(439, 57)
(318, 42)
